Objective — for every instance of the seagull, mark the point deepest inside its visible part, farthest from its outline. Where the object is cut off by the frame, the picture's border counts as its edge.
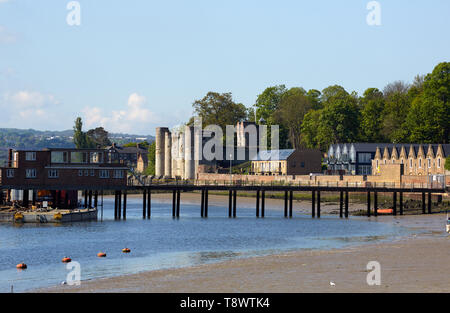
(332, 284)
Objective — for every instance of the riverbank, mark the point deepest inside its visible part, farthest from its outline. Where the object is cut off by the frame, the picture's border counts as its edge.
(418, 263)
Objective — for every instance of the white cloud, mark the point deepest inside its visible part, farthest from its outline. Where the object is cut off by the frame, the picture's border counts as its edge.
(136, 117)
(29, 109)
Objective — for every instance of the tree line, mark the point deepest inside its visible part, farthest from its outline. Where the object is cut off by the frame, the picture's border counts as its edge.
(400, 113)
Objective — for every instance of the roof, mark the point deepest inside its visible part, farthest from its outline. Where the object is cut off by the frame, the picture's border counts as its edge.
(372, 147)
(273, 155)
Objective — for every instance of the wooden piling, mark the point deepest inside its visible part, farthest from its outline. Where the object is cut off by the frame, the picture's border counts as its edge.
(178, 204)
(120, 204)
(202, 203)
(90, 198)
(401, 203)
(174, 203)
(285, 203)
(257, 203)
(124, 203)
(149, 203)
(291, 196)
(85, 199)
(394, 200)
(318, 204)
(263, 203)
(313, 204)
(206, 203)
(341, 204)
(230, 203)
(234, 203)
(375, 203)
(429, 203)
(368, 204)
(423, 203)
(346, 204)
(115, 205)
(144, 203)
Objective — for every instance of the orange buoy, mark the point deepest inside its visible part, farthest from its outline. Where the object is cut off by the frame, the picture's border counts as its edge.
(101, 255)
(21, 266)
(126, 250)
(385, 211)
(66, 260)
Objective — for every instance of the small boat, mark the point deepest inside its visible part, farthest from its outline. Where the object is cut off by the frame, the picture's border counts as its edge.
(385, 211)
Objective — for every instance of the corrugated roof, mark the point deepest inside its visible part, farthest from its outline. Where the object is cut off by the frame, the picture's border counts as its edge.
(273, 155)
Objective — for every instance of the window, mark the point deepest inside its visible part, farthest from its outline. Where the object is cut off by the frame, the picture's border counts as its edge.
(104, 174)
(53, 174)
(439, 162)
(377, 163)
(30, 173)
(410, 163)
(59, 156)
(86, 172)
(10, 173)
(96, 157)
(429, 163)
(364, 157)
(80, 173)
(30, 156)
(420, 163)
(118, 174)
(92, 172)
(302, 164)
(364, 170)
(79, 157)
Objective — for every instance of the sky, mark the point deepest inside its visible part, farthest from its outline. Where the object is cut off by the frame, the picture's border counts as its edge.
(134, 65)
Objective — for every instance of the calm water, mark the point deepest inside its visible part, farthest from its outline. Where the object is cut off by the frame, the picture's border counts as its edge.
(163, 242)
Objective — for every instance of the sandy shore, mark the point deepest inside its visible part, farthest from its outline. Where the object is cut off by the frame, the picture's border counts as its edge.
(419, 263)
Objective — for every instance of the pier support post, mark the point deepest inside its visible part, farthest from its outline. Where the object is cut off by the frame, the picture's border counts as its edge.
(85, 199)
(368, 204)
(313, 204)
(174, 202)
(124, 203)
(285, 203)
(230, 203)
(149, 203)
(346, 204)
(291, 197)
(120, 204)
(263, 203)
(33, 201)
(202, 203)
(25, 200)
(115, 204)
(234, 203)
(341, 204)
(401, 203)
(257, 203)
(375, 203)
(178, 204)
(90, 198)
(95, 199)
(206, 203)
(318, 204)
(394, 200)
(423, 203)
(144, 202)
(429, 203)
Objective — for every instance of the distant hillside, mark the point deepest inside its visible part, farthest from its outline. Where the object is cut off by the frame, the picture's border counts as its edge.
(36, 139)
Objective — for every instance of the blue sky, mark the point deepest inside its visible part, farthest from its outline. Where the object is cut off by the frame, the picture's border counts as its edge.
(134, 65)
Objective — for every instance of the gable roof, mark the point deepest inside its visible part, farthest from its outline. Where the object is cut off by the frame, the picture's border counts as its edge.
(273, 155)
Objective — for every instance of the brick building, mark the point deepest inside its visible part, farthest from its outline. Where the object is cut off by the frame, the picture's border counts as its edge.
(416, 159)
(125, 155)
(287, 162)
(60, 173)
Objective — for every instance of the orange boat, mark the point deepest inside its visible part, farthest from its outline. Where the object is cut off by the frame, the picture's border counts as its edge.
(126, 250)
(385, 211)
(66, 260)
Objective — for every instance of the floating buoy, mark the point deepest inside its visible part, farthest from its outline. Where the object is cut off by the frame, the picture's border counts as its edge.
(126, 250)
(18, 217)
(66, 260)
(101, 255)
(21, 266)
(385, 211)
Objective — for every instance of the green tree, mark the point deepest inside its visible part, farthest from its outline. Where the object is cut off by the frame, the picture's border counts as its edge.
(150, 170)
(372, 106)
(219, 109)
(99, 137)
(80, 138)
(268, 102)
(292, 109)
(447, 163)
(396, 107)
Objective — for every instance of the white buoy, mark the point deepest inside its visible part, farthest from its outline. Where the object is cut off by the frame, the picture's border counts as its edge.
(332, 284)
